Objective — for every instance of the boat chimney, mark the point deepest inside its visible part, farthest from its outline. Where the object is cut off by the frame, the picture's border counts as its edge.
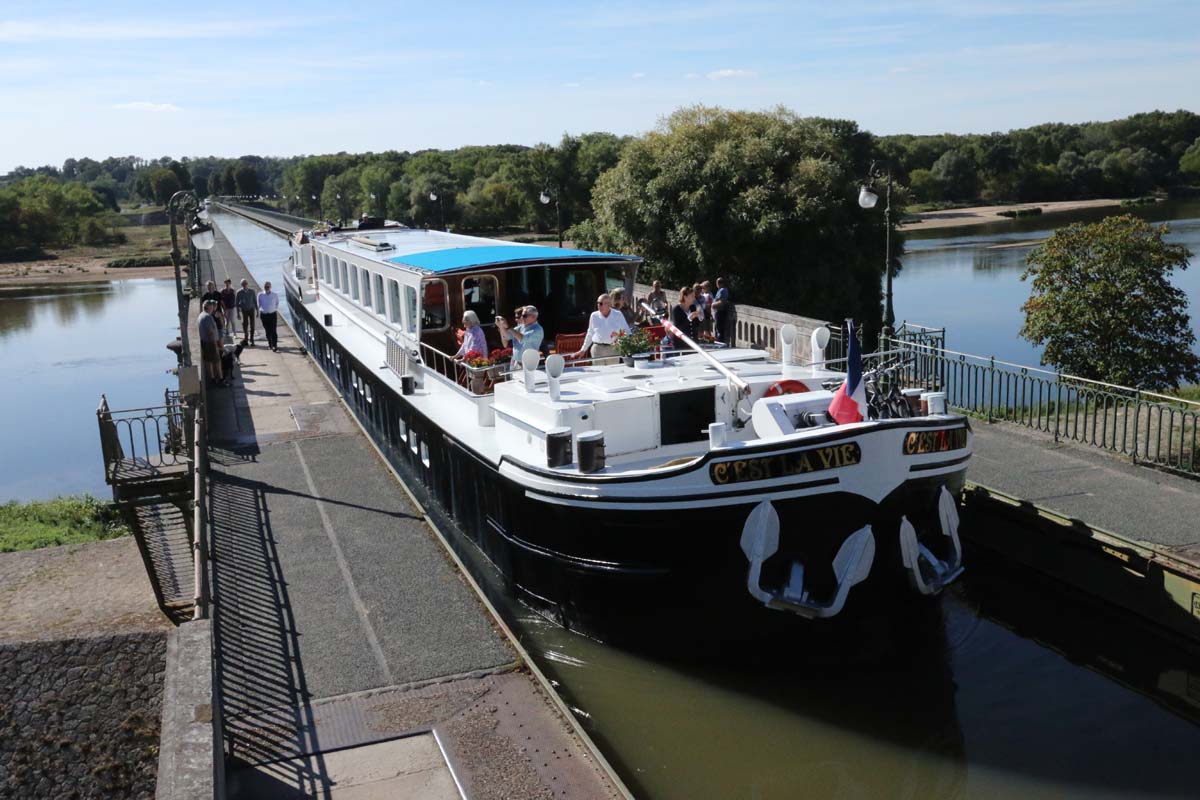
(787, 340)
(529, 362)
(820, 338)
(554, 369)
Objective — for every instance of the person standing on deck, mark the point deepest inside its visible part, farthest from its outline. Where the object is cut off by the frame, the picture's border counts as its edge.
(528, 334)
(604, 327)
(619, 304)
(229, 306)
(268, 310)
(247, 303)
(722, 307)
(474, 340)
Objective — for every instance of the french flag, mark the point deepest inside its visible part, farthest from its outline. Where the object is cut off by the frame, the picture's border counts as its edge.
(850, 400)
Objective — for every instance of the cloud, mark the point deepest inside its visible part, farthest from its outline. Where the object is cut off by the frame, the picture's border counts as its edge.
(637, 76)
(571, 85)
(722, 74)
(142, 105)
(899, 70)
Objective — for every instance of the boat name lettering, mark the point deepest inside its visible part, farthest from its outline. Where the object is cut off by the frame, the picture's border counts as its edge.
(920, 442)
(784, 464)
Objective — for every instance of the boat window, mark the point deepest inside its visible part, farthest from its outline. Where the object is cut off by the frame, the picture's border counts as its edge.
(394, 301)
(380, 304)
(410, 295)
(354, 282)
(345, 287)
(433, 305)
(581, 292)
(479, 295)
(366, 289)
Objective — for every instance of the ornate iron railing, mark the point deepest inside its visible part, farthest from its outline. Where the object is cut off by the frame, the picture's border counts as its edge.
(141, 438)
(1147, 427)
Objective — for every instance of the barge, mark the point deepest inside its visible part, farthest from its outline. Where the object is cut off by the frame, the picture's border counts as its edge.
(702, 481)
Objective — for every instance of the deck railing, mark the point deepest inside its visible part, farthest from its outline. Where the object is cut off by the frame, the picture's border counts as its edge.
(1148, 427)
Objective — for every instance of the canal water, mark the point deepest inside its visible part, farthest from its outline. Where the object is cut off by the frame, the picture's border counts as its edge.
(61, 348)
(968, 280)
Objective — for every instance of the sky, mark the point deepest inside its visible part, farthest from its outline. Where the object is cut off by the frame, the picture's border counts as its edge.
(108, 77)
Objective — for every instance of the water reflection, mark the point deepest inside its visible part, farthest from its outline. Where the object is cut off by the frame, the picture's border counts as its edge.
(62, 348)
(1004, 689)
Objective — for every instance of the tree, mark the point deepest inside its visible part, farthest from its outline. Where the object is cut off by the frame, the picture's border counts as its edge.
(245, 179)
(1189, 162)
(1103, 305)
(767, 198)
(955, 173)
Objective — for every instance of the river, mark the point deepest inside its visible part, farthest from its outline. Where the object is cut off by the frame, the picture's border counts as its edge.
(62, 348)
(968, 280)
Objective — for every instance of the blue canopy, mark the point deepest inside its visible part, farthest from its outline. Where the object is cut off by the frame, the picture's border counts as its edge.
(464, 258)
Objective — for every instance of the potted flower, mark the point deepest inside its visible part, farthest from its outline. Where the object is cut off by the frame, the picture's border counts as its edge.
(636, 343)
(477, 370)
(501, 357)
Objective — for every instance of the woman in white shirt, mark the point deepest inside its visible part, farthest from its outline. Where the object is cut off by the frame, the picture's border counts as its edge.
(604, 327)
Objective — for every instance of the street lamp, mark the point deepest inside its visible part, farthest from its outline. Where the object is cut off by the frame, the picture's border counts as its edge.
(544, 198)
(867, 198)
(183, 208)
(437, 198)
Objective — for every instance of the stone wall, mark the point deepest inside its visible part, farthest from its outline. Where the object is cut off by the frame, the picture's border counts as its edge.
(79, 718)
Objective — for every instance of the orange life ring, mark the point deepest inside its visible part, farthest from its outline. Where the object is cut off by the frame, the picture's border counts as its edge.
(785, 387)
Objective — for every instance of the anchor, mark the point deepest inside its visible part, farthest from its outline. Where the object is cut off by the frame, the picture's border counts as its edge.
(913, 553)
(760, 541)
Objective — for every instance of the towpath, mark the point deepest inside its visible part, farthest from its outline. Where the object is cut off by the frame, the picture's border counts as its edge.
(353, 657)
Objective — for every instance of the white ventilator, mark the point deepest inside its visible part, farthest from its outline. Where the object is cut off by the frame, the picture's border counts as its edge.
(554, 369)
(820, 339)
(529, 362)
(787, 339)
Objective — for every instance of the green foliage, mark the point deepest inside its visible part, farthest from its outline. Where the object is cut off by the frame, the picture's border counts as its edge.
(64, 520)
(769, 199)
(1103, 305)
(245, 179)
(1189, 162)
(38, 211)
(144, 261)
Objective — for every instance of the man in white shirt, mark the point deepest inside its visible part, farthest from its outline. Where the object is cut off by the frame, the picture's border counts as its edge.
(268, 312)
(604, 327)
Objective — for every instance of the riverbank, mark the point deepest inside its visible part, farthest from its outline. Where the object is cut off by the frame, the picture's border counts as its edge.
(983, 215)
(90, 263)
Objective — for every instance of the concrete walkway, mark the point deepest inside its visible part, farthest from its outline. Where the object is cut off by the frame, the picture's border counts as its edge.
(1137, 503)
(354, 661)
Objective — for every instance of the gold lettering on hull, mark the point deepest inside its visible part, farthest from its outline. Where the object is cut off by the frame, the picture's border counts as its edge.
(785, 464)
(920, 442)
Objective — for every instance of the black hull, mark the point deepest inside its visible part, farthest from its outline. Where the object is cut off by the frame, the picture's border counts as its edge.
(611, 572)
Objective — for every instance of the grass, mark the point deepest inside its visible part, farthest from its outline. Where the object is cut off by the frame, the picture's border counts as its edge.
(1189, 392)
(63, 520)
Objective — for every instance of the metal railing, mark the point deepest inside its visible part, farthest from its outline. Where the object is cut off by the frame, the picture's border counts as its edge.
(200, 596)
(141, 438)
(473, 381)
(1147, 427)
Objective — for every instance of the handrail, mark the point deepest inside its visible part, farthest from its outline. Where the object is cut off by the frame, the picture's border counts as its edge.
(1059, 376)
(200, 599)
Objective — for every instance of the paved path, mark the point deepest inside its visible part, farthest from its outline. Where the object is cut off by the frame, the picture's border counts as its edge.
(1134, 502)
(341, 622)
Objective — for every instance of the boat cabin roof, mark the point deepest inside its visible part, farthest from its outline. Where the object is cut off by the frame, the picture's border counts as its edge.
(438, 253)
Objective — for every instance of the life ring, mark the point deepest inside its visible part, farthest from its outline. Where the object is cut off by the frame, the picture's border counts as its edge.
(785, 387)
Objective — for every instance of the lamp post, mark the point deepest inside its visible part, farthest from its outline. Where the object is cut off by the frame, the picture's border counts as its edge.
(437, 198)
(544, 198)
(867, 200)
(183, 208)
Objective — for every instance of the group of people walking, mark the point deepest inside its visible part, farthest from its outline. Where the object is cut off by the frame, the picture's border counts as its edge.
(221, 311)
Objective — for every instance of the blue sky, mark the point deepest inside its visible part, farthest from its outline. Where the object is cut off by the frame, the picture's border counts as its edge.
(115, 78)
